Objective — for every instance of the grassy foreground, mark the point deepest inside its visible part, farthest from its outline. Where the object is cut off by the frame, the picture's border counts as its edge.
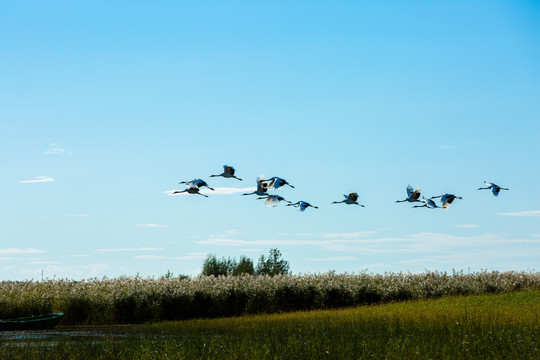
(504, 326)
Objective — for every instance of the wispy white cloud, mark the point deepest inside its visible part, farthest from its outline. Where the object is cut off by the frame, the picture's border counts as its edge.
(420, 243)
(500, 257)
(152, 225)
(226, 242)
(532, 213)
(129, 249)
(38, 179)
(228, 232)
(198, 254)
(14, 251)
(78, 215)
(445, 147)
(466, 226)
(350, 235)
(151, 257)
(217, 191)
(224, 237)
(41, 263)
(335, 258)
(54, 149)
(367, 245)
(191, 256)
(296, 234)
(250, 250)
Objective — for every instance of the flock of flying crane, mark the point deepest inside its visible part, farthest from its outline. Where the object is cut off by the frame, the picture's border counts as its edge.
(274, 183)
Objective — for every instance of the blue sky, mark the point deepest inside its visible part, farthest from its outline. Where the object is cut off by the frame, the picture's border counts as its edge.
(106, 106)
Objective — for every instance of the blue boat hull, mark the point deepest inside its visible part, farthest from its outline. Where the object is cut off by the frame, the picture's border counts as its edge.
(35, 322)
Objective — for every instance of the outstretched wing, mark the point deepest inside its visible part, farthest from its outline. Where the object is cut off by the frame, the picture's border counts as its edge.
(271, 201)
(410, 190)
(275, 183)
(228, 170)
(446, 197)
(431, 203)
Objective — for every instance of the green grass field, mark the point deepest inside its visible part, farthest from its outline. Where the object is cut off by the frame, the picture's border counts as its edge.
(503, 326)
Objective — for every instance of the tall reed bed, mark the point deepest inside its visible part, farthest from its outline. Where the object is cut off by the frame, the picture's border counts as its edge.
(137, 300)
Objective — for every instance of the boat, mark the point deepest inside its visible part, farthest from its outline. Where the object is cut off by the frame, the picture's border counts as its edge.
(34, 322)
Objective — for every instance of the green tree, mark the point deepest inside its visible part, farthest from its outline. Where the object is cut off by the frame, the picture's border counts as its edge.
(273, 264)
(244, 266)
(214, 266)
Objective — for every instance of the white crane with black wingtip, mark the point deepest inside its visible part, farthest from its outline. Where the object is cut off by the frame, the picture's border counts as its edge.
(413, 195)
(350, 199)
(302, 205)
(262, 187)
(191, 189)
(272, 200)
(430, 204)
(275, 183)
(495, 189)
(228, 172)
(446, 199)
(197, 182)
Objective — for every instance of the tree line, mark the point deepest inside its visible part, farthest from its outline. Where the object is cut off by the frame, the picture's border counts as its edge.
(272, 265)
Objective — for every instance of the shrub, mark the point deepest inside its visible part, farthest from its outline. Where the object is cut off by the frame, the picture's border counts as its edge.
(273, 265)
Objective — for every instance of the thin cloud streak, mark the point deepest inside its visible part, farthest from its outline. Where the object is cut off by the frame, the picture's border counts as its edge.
(237, 242)
(152, 225)
(38, 179)
(129, 249)
(193, 256)
(419, 243)
(336, 258)
(467, 226)
(351, 235)
(367, 246)
(56, 150)
(532, 213)
(13, 251)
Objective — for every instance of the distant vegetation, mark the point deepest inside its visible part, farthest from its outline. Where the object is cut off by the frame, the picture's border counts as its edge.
(271, 265)
(137, 300)
(505, 326)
